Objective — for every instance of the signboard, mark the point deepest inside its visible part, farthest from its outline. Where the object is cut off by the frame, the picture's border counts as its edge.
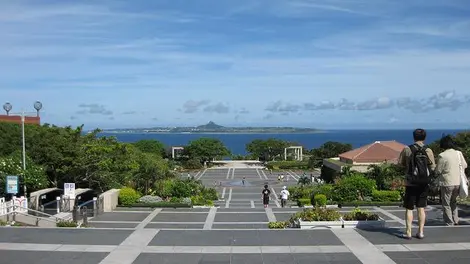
(12, 184)
(69, 190)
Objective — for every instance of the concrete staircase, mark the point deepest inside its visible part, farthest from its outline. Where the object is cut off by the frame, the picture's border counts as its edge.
(65, 216)
(33, 218)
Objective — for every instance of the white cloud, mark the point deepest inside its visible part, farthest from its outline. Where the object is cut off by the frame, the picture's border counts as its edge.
(82, 53)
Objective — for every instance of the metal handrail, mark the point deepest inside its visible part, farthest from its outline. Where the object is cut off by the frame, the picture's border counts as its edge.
(40, 218)
(85, 203)
(47, 216)
(48, 203)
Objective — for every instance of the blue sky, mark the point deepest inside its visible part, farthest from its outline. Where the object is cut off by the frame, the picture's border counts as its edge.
(313, 63)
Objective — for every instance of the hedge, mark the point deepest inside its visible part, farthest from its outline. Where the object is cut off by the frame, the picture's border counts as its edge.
(159, 205)
(128, 196)
(288, 165)
(368, 203)
(303, 202)
(320, 200)
(386, 196)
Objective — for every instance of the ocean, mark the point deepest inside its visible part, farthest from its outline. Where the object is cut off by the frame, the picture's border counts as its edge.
(236, 142)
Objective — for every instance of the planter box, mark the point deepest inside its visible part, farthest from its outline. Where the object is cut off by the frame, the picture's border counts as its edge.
(320, 224)
(203, 206)
(365, 224)
(342, 224)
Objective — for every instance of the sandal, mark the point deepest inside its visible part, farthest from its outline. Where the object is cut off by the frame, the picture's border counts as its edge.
(405, 236)
(419, 236)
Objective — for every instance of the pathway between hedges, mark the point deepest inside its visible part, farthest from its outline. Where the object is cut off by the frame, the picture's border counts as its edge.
(235, 232)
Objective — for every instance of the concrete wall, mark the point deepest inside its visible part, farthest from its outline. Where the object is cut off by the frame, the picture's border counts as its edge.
(332, 164)
(110, 199)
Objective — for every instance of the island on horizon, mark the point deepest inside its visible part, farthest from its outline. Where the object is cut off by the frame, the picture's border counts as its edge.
(212, 127)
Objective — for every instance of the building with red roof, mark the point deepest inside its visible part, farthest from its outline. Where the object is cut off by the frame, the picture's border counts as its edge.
(28, 120)
(361, 158)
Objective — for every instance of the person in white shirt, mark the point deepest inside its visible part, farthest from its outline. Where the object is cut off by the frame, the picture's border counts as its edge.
(284, 196)
(448, 172)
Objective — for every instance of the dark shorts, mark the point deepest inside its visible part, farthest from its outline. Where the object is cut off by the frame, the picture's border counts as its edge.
(266, 200)
(416, 196)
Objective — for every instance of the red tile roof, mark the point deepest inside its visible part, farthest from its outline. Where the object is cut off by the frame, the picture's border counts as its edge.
(32, 120)
(378, 151)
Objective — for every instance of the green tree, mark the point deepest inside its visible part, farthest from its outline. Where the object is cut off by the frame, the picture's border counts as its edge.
(269, 149)
(34, 177)
(462, 140)
(103, 163)
(151, 146)
(63, 154)
(329, 149)
(151, 169)
(206, 149)
(384, 175)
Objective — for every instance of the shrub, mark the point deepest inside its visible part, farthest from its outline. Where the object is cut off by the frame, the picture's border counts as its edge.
(181, 189)
(164, 188)
(210, 194)
(360, 215)
(3, 223)
(150, 199)
(278, 225)
(288, 165)
(65, 223)
(176, 200)
(320, 200)
(325, 189)
(193, 164)
(128, 196)
(200, 200)
(386, 196)
(303, 202)
(351, 188)
(316, 214)
(160, 205)
(300, 192)
(197, 200)
(186, 200)
(369, 203)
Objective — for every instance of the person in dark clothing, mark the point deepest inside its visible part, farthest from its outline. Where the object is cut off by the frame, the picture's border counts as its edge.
(265, 196)
(243, 181)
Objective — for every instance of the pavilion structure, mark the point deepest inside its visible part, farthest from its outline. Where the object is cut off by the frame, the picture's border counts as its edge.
(298, 152)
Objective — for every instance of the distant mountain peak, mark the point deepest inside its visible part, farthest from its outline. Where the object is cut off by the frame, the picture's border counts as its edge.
(210, 125)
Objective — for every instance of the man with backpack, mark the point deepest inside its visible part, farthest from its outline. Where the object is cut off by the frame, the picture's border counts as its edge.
(419, 164)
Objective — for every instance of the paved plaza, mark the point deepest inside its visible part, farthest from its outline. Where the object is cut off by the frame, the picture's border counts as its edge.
(235, 232)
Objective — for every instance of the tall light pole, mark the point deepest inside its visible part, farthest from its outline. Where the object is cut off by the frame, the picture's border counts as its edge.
(38, 106)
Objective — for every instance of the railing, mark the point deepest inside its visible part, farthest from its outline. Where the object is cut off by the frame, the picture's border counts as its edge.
(13, 210)
(80, 214)
(51, 207)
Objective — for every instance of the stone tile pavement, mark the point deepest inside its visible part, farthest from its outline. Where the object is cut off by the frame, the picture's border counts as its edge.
(236, 233)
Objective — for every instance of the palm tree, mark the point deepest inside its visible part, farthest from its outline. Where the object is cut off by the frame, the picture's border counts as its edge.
(304, 181)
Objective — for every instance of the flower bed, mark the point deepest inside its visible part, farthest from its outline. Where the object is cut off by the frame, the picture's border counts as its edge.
(330, 218)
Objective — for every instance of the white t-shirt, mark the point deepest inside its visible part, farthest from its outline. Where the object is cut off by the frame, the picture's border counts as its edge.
(284, 194)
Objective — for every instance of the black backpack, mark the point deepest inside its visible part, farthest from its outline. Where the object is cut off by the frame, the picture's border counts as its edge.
(419, 168)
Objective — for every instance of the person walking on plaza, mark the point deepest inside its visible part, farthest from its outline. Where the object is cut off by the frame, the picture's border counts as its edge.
(419, 164)
(284, 196)
(450, 170)
(265, 196)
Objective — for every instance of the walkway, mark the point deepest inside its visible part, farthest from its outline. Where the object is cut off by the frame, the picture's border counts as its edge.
(236, 232)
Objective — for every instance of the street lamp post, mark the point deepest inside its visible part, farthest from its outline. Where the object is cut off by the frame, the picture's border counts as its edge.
(38, 106)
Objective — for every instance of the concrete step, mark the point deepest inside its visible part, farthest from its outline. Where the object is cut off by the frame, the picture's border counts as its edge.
(35, 220)
(66, 216)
